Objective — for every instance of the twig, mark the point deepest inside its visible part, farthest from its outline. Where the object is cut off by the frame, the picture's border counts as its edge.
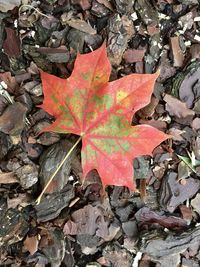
(32, 7)
(38, 200)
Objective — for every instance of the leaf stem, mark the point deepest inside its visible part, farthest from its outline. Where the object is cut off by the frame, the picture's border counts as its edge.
(38, 200)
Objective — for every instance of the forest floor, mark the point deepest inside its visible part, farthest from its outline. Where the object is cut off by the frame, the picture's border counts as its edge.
(158, 225)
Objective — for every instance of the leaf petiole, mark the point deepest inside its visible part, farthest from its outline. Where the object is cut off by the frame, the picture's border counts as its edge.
(38, 200)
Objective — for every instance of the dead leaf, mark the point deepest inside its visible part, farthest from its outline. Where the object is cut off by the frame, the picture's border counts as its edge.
(177, 108)
(86, 104)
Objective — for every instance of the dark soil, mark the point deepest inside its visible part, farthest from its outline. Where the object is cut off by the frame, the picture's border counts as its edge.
(79, 225)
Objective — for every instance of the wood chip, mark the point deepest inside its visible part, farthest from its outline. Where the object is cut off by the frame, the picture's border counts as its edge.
(177, 52)
(81, 25)
(8, 178)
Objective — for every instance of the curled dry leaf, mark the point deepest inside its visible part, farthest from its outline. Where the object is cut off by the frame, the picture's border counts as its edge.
(86, 104)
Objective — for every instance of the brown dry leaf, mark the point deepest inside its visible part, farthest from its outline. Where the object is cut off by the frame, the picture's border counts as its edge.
(177, 52)
(81, 25)
(195, 203)
(13, 119)
(134, 55)
(31, 244)
(8, 178)
(11, 44)
(177, 108)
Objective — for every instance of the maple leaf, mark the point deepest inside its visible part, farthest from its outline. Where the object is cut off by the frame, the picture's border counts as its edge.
(87, 104)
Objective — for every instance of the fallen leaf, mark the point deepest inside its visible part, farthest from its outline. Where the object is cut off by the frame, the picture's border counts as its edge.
(177, 108)
(86, 104)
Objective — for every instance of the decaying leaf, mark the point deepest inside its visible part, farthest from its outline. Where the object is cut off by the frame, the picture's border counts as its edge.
(86, 104)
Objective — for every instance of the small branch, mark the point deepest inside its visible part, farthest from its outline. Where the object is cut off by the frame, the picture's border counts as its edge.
(38, 200)
(32, 7)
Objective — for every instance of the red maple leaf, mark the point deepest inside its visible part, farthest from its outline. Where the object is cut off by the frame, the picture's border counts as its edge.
(87, 104)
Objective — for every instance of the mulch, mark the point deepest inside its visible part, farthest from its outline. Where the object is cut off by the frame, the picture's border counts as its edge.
(80, 225)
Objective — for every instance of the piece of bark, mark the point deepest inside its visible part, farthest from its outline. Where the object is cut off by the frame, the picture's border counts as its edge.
(134, 55)
(8, 178)
(177, 52)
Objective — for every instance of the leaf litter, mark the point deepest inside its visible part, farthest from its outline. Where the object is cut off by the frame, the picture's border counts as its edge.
(42, 38)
